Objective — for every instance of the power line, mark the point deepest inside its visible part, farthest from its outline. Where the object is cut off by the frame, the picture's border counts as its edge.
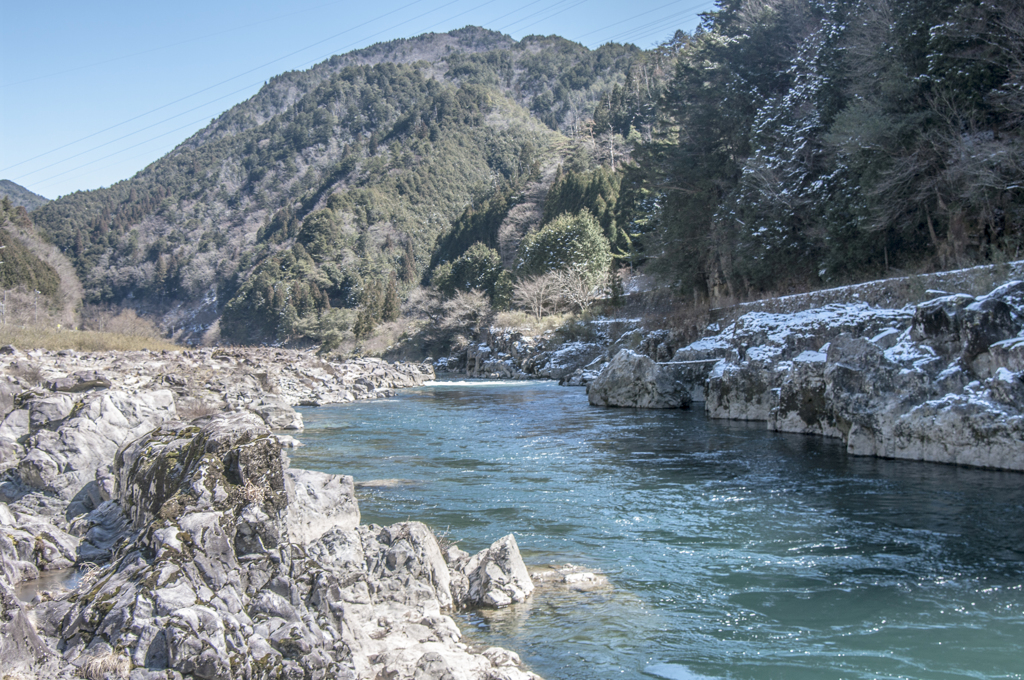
(148, 127)
(318, 60)
(523, 28)
(472, 9)
(206, 89)
(165, 47)
(529, 16)
(363, 40)
(119, 151)
(619, 23)
(658, 27)
(683, 14)
(508, 14)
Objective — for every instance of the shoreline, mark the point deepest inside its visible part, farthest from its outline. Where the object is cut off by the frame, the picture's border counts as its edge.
(217, 558)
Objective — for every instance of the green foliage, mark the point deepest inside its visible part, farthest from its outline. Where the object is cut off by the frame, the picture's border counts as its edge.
(477, 269)
(567, 242)
(596, 191)
(477, 224)
(800, 144)
(19, 266)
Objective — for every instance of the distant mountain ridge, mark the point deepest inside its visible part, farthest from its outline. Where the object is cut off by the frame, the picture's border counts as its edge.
(20, 196)
(330, 182)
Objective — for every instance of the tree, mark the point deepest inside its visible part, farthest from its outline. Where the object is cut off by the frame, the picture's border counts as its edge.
(476, 269)
(567, 242)
(576, 287)
(538, 294)
(392, 307)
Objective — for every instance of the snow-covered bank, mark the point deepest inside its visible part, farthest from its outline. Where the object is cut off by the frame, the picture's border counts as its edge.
(940, 381)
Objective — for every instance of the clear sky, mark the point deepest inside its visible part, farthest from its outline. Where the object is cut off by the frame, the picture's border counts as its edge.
(92, 92)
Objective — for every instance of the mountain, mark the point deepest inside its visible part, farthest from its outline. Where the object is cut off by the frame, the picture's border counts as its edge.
(39, 284)
(20, 196)
(329, 189)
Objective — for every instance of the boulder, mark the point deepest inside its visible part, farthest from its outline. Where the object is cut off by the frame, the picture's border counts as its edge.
(634, 380)
(962, 429)
(49, 412)
(740, 391)
(799, 404)
(80, 381)
(497, 576)
(277, 413)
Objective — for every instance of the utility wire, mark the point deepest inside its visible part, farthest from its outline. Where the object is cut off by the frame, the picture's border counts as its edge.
(656, 25)
(472, 9)
(169, 46)
(619, 23)
(624, 34)
(119, 151)
(529, 16)
(130, 134)
(520, 9)
(318, 60)
(205, 89)
(523, 28)
(565, 9)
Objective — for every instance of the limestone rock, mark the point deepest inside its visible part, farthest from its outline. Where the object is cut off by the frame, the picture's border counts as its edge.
(740, 391)
(497, 576)
(317, 503)
(635, 380)
(277, 413)
(80, 381)
(799, 404)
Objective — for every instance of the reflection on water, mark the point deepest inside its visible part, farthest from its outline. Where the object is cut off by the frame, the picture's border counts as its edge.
(732, 552)
(56, 580)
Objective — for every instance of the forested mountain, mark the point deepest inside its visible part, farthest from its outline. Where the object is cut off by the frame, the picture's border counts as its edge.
(785, 145)
(20, 196)
(333, 184)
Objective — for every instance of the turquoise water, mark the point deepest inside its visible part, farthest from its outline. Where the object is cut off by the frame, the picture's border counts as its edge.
(731, 552)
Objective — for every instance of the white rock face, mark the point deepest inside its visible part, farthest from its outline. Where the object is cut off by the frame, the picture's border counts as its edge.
(226, 563)
(317, 503)
(942, 381)
(635, 380)
(497, 577)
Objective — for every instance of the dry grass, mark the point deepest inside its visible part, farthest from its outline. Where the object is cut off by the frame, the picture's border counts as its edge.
(83, 341)
(523, 321)
(110, 664)
(188, 409)
(253, 494)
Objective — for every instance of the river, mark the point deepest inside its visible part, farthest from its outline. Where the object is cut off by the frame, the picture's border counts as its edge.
(732, 552)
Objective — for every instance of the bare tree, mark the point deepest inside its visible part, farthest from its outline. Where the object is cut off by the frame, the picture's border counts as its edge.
(538, 294)
(577, 288)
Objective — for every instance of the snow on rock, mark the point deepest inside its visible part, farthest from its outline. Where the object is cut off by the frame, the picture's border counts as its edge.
(941, 381)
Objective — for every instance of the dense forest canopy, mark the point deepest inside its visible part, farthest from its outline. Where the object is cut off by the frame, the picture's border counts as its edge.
(802, 144)
(785, 144)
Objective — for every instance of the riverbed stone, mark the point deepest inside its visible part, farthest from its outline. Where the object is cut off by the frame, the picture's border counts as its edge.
(497, 576)
(635, 380)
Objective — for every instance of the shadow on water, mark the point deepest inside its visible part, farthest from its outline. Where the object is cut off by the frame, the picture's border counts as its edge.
(733, 552)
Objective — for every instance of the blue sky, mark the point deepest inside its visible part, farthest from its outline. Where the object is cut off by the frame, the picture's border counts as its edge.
(92, 92)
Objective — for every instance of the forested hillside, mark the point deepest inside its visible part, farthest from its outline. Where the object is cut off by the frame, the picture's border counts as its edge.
(20, 196)
(803, 144)
(785, 145)
(331, 185)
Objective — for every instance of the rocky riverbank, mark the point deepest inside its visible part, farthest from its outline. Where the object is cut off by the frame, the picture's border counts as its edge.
(204, 554)
(942, 380)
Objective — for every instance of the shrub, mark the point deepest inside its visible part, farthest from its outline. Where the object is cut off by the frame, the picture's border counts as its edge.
(573, 242)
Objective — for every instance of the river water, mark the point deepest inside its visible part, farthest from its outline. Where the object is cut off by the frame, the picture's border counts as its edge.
(731, 552)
